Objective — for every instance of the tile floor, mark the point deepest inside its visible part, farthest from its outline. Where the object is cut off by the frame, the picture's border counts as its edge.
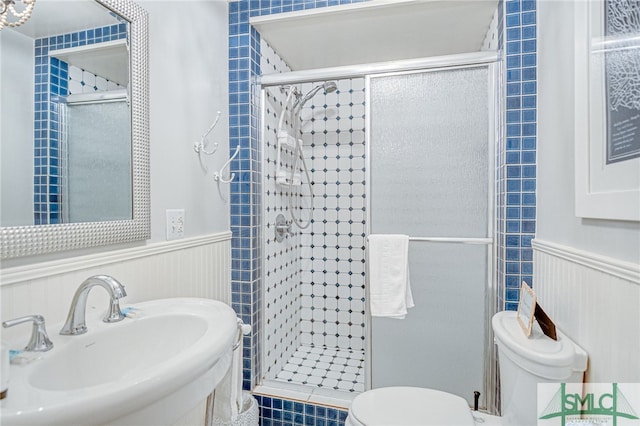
(331, 368)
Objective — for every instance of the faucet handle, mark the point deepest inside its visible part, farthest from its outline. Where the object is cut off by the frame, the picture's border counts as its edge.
(39, 341)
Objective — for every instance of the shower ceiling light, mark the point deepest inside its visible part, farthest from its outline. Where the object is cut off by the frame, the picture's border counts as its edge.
(11, 17)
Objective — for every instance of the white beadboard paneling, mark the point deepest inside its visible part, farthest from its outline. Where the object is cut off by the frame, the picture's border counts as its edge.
(594, 300)
(194, 267)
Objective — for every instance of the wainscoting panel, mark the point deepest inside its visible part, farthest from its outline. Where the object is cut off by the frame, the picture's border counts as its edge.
(595, 300)
(192, 267)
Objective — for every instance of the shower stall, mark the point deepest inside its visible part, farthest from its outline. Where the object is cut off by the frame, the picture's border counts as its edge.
(407, 151)
(314, 278)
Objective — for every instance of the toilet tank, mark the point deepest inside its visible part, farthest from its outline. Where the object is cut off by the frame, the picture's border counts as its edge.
(526, 361)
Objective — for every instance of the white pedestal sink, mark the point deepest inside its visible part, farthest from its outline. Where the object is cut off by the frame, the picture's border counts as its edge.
(147, 370)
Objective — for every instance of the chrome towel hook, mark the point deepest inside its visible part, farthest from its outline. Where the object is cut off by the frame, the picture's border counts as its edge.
(218, 176)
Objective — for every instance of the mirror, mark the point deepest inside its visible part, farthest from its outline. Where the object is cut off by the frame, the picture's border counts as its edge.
(74, 133)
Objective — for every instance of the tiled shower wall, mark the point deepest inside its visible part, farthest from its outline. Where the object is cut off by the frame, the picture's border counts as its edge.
(330, 311)
(53, 78)
(333, 128)
(282, 259)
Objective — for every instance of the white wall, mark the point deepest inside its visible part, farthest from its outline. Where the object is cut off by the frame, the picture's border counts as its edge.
(556, 220)
(586, 272)
(16, 128)
(188, 44)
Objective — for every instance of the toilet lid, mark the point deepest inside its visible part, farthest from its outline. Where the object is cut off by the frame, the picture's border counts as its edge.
(400, 406)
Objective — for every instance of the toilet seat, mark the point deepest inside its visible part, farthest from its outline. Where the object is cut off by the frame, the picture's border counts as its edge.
(404, 406)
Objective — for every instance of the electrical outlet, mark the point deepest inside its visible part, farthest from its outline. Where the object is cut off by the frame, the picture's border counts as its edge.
(175, 224)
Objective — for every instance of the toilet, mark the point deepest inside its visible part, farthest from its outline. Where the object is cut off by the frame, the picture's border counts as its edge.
(524, 362)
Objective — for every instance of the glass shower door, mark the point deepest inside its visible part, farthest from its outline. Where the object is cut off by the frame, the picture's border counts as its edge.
(97, 168)
(431, 177)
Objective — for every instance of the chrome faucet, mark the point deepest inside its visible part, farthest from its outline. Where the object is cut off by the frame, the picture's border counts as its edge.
(39, 341)
(76, 319)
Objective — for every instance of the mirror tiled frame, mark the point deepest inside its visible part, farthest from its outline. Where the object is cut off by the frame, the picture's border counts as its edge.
(19, 241)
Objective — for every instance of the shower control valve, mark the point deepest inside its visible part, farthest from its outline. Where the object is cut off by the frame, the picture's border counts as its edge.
(283, 228)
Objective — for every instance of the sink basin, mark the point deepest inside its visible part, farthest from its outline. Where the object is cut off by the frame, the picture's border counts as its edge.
(149, 369)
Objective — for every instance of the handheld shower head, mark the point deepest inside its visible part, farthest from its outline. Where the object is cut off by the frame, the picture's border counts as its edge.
(328, 87)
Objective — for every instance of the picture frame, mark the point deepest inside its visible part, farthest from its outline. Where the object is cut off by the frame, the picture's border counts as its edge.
(526, 308)
(607, 114)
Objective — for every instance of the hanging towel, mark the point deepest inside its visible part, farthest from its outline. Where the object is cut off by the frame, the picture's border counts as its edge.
(389, 288)
(229, 396)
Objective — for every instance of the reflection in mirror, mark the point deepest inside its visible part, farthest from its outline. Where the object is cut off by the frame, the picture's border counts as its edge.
(77, 146)
(74, 133)
(96, 178)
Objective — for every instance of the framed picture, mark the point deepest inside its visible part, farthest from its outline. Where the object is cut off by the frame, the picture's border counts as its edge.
(526, 308)
(607, 109)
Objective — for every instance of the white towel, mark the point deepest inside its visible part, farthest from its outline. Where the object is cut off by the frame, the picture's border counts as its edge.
(389, 288)
(229, 396)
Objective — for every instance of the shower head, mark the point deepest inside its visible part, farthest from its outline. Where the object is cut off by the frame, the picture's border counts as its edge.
(327, 86)
(330, 86)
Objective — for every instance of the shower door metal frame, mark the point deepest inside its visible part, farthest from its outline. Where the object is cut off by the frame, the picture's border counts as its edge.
(491, 279)
(489, 59)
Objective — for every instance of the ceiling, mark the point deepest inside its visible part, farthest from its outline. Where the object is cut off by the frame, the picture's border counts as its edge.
(376, 31)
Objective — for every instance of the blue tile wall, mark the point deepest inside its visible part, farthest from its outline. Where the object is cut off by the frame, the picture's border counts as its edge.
(516, 158)
(283, 412)
(51, 81)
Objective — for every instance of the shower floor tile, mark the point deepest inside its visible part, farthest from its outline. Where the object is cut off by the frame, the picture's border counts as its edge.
(331, 368)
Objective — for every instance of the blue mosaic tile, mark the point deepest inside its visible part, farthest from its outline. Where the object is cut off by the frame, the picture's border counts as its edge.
(513, 212)
(298, 413)
(528, 157)
(513, 185)
(529, 88)
(513, 48)
(520, 65)
(528, 74)
(529, 115)
(513, 89)
(529, 32)
(513, 61)
(513, 102)
(528, 171)
(528, 18)
(511, 306)
(513, 116)
(512, 6)
(529, 143)
(528, 185)
(529, 129)
(513, 20)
